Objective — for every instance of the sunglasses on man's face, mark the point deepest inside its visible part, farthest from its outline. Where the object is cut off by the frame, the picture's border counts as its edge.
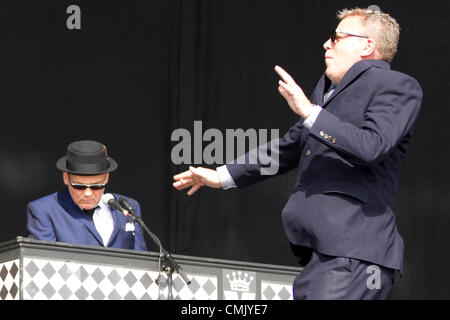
(335, 38)
(82, 186)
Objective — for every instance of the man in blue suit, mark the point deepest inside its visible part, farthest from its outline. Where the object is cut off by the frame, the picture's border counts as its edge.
(77, 213)
(348, 147)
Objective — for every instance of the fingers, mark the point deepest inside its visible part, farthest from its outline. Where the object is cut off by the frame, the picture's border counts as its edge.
(197, 178)
(284, 75)
(194, 189)
(183, 180)
(183, 175)
(288, 88)
(293, 94)
(183, 184)
(284, 89)
(190, 178)
(206, 177)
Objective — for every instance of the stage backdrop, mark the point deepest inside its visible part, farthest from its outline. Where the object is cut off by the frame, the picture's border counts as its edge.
(129, 73)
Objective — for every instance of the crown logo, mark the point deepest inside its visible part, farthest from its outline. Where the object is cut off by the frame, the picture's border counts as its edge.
(239, 282)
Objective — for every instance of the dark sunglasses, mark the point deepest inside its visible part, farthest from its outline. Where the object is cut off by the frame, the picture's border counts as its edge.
(81, 186)
(334, 37)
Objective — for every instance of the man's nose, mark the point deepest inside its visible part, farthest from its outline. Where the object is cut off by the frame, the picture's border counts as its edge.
(88, 192)
(327, 44)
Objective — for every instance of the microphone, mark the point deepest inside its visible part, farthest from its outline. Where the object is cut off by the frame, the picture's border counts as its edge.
(123, 206)
(124, 203)
(109, 200)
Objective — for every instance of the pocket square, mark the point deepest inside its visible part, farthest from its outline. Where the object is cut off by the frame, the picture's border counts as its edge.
(129, 226)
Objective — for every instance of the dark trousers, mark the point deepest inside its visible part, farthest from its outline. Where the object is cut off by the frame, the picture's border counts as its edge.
(337, 278)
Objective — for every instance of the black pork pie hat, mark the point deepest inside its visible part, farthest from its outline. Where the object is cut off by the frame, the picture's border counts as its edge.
(86, 158)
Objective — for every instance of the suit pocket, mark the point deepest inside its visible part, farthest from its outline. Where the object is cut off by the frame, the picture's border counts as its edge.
(346, 188)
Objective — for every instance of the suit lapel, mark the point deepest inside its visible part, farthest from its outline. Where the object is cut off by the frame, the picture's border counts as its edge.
(65, 200)
(116, 217)
(352, 74)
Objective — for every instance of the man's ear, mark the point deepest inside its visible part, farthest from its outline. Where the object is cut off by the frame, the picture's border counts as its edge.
(370, 49)
(65, 178)
(107, 177)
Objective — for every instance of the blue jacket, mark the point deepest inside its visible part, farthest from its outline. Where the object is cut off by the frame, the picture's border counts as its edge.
(57, 218)
(348, 165)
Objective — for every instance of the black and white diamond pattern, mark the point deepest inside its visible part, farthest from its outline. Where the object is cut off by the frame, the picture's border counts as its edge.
(60, 280)
(43, 279)
(9, 280)
(276, 291)
(202, 287)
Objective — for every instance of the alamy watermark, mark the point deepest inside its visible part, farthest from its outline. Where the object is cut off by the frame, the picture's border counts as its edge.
(73, 21)
(230, 148)
(374, 280)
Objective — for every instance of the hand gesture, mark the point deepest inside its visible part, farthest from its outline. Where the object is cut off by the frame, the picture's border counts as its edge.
(293, 94)
(197, 178)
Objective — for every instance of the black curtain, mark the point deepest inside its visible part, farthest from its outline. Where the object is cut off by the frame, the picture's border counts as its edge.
(137, 70)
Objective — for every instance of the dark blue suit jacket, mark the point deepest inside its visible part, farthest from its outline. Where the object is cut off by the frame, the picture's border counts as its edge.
(57, 218)
(348, 165)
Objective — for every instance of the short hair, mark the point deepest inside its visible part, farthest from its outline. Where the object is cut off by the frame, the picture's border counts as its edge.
(380, 26)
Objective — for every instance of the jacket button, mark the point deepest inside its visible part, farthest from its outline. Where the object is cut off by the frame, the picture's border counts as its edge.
(308, 152)
(322, 133)
(334, 141)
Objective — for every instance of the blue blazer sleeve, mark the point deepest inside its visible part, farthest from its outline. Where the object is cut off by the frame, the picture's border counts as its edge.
(284, 155)
(39, 224)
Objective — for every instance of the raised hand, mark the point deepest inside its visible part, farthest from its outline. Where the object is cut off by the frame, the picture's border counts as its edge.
(293, 94)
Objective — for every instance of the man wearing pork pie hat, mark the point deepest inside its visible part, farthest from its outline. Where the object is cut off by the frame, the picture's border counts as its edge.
(77, 213)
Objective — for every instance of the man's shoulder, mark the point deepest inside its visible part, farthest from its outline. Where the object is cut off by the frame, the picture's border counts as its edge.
(383, 69)
(45, 205)
(45, 200)
(380, 75)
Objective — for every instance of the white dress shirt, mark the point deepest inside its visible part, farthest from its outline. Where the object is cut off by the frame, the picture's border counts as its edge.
(103, 221)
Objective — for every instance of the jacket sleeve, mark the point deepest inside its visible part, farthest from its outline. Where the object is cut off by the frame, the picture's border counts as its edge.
(271, 159)
(388, 119)
(39, 224)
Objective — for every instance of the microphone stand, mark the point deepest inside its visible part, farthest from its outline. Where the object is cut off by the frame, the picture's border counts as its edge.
(168, 265)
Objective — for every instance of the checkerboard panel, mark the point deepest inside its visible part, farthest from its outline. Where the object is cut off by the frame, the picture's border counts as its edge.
(60, 280)
(276, 291)
(9, 280)
(202, 287)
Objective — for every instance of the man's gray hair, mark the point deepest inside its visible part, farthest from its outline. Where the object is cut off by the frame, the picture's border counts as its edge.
(379, 26)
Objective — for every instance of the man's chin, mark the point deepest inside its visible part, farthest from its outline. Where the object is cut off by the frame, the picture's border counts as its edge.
(332, 75)
(87, 205)
(328, 73)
